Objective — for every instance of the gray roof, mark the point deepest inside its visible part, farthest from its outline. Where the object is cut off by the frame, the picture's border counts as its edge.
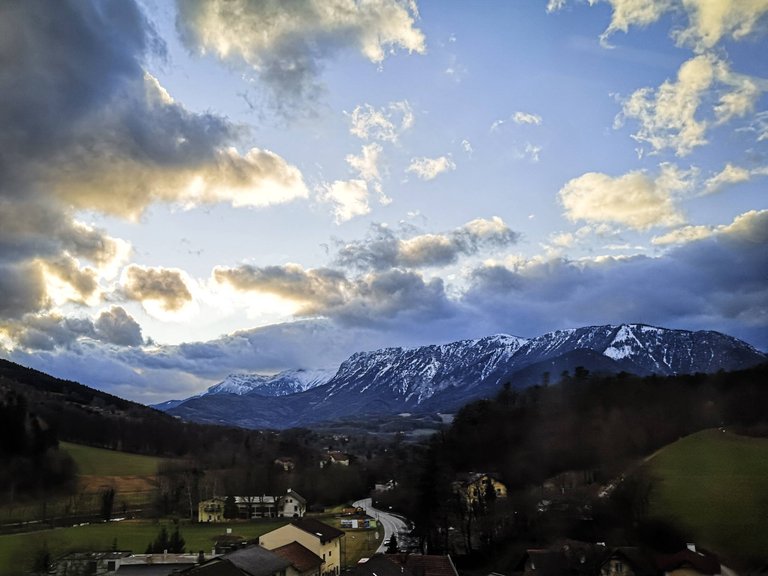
(257, 561)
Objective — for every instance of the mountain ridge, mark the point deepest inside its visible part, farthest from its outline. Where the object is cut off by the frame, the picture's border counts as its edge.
(442, 377)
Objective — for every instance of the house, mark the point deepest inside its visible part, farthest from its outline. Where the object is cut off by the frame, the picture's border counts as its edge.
(290, 505)
(565, 557)
(156, 564)
(304, 561)
(89, 563)
(689, 562)
(211, 510)
(475, 487)
(286, 463)
(334, 457)
(319, 538)
(251, 561)
(628, 561)
(405, 565)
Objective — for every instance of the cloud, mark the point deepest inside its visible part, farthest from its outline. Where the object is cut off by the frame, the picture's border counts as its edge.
(166, 286)
(635, 199)
(56, 332)
(717, 280)
(729, 175)
(116, 326)
(752, 225)
(526, 118)
(23, 290)
(349, 198)
(385, 124)
(384, 249)
(372, 299)
(87, 129)
(667, 116)
(708, 22)
(678, 114)
(430, 168)
(287, 43)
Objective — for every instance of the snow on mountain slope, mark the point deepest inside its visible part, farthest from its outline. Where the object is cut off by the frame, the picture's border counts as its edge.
(444, 377)
(282, 384)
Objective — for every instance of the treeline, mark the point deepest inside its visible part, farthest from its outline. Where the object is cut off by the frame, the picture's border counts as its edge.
(77, 413)
(30, 462)
(588, 426)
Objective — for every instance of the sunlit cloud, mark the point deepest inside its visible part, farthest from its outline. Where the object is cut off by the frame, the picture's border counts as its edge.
(430, 168)
(164, 287)
(385, 248)
(635, 199)
(678, 114)
(348, 197)
(707, 22)
(287, 44)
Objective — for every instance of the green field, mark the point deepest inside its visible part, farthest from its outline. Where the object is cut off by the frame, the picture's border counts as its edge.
(100, 462)
(714, 484)
(18, 550)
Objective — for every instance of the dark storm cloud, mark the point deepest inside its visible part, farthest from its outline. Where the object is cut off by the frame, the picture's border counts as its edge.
(116, 326)
(50, 332)
(718, 281)
(22, 288)
(84, 127)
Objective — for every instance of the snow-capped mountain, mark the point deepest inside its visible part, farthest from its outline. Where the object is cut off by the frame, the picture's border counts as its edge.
(441, 378)
(282, 384)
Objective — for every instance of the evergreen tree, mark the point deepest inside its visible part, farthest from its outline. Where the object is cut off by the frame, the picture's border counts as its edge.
(230, 508)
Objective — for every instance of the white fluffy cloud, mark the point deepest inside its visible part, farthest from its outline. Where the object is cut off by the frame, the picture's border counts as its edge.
(635, 199)
(707, 22)
(431, 168)
(526, 118)
(678, 114)
(385, 124)
(348, 197)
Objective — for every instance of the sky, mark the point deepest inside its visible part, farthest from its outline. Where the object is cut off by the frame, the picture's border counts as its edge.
(198, 188)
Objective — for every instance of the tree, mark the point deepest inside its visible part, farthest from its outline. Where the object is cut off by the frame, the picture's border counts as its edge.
(161, 543)
(107, 503)
(176, 542)
(230, 508)
(391, 545)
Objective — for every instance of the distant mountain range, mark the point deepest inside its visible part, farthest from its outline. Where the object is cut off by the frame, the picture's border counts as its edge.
(442, 378)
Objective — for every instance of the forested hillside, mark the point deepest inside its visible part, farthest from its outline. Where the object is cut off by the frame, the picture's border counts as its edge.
(557, 448)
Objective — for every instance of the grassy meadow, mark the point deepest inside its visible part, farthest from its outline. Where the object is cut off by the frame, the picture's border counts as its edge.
(17, 551)
(714, 484)
(131, 475)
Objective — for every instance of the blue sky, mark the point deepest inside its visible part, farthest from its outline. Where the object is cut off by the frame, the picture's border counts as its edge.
(194, 189)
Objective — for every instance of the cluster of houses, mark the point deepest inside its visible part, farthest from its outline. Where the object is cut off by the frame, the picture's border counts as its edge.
(288, 505)
(304, 547)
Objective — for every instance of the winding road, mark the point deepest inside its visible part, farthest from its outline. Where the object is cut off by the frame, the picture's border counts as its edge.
(391, 523)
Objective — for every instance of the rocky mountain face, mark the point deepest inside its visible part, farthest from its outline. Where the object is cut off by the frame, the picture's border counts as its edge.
(441, 378)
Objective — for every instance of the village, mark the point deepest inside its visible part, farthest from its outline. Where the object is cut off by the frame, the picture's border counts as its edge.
(318, 544)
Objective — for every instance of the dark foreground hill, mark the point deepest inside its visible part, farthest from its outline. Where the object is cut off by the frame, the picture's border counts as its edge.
(442, 378)
(77, 413)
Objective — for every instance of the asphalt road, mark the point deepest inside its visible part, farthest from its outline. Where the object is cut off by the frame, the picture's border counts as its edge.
(391, 523)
